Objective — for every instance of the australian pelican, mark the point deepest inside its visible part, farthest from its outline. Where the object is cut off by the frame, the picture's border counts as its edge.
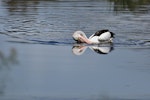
(100, 36)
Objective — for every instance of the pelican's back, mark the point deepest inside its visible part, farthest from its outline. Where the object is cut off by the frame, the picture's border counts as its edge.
(102, 35)
(105, 36)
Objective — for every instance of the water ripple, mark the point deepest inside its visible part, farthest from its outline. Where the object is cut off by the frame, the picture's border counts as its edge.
(53, 22)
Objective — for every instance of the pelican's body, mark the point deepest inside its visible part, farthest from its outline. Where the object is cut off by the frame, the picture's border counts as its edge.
(99, 37)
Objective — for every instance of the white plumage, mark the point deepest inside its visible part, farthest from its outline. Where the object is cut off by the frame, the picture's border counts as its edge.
(105, 36)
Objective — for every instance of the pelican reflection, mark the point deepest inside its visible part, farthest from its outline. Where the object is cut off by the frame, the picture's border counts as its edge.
(79, 49)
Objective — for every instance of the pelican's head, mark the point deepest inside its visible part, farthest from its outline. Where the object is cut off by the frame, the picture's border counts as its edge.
(77, 34)
(80, 37)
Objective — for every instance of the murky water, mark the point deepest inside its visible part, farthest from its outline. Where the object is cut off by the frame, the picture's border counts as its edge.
(38, 57)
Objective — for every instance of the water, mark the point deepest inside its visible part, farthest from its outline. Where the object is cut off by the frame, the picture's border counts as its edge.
(57, 20)
(40, 60)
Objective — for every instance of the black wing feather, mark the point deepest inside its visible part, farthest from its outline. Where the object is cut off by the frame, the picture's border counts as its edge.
(98, 33)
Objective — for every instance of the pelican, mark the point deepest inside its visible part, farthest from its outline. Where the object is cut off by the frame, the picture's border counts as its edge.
(100, 36)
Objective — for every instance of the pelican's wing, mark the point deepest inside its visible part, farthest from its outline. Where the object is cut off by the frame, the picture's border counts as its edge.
(105, 36)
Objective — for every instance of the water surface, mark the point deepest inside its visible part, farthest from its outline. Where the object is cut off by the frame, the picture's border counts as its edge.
(40, 60)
